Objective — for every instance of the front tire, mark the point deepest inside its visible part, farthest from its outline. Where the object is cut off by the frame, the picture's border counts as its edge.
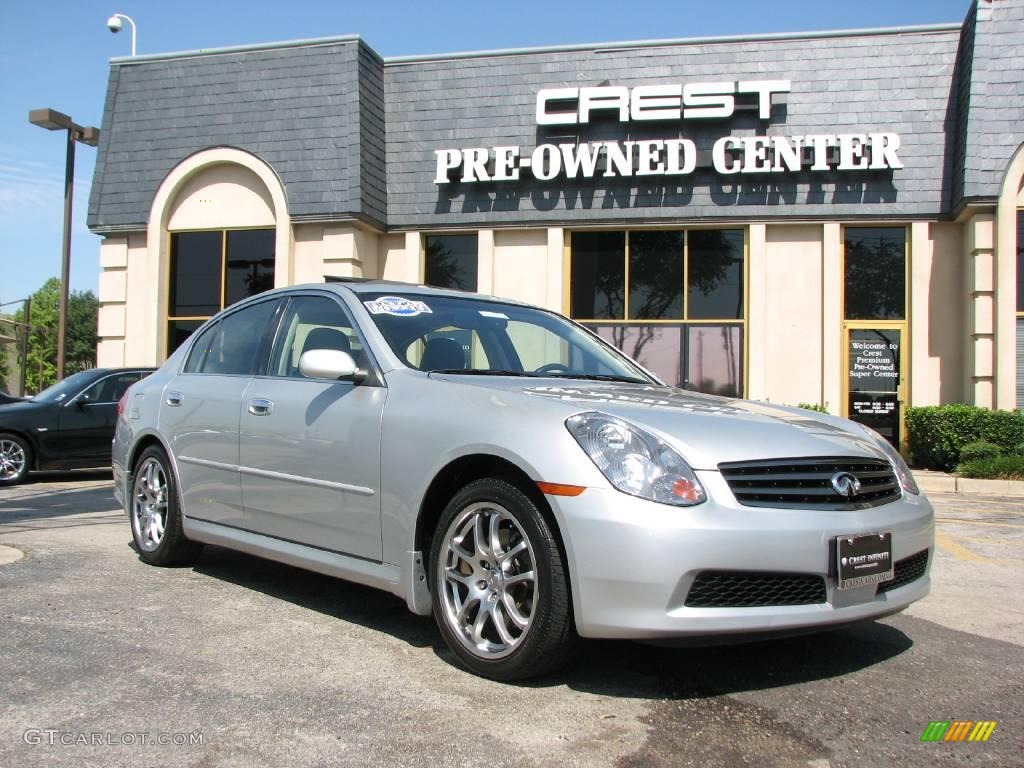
(155, 512)
(500, 588)
(15, 459)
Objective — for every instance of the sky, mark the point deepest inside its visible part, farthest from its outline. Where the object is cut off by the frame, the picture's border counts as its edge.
(55, 53)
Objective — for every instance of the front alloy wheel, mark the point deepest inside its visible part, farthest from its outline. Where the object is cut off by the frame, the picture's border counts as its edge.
(500, 591)
(490, 586)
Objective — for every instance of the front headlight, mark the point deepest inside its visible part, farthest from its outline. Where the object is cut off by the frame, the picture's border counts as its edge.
(899, 466)
(634, 461)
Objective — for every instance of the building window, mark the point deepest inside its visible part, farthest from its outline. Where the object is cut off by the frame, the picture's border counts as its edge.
(673, 300)
(450, 261)
(214, 269)
(876, 273)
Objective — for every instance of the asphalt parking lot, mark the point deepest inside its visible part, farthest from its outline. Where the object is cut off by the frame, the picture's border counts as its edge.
(265, 665)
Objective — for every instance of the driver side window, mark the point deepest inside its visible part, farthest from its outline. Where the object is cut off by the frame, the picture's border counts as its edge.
(313, 322)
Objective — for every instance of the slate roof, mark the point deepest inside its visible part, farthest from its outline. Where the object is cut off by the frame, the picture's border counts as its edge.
(353, 136)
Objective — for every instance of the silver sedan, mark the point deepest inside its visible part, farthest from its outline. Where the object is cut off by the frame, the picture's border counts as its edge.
(503, 468)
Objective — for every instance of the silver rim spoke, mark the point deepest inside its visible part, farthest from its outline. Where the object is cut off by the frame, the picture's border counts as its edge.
(488, 581)
(149, 505)
(12, 459)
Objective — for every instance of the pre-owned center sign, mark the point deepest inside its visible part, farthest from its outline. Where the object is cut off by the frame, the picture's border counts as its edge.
(853, 151)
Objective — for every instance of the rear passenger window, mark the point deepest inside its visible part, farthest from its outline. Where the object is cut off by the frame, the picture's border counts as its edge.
(232, 346)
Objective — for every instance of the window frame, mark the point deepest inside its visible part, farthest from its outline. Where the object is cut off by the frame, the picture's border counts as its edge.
(168, 318)
(684, 322)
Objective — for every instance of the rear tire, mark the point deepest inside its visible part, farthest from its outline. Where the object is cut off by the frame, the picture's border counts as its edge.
(155, 512)
(15, 459)
(500, 589)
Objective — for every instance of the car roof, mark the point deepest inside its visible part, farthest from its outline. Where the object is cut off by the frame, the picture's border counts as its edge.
(360, 286)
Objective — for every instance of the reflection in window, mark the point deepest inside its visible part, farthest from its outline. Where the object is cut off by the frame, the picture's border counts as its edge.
(704, 358)
(450, 261)
(715, 261)
(714, 359)
(250, 264)
(598, 275)
(656, 275)
(658, 348)
(211, 270)
(876, 273)
(706, 266)
(195, 274)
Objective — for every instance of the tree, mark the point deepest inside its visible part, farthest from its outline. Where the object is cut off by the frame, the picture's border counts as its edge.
(80, 342)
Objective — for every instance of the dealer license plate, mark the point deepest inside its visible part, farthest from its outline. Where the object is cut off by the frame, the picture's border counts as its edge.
(864, 559)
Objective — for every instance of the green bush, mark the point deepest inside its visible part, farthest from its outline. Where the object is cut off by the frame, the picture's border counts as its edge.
(813, 407)
(999, 468)
(1018, 450)
(937, 433)
(979, 450)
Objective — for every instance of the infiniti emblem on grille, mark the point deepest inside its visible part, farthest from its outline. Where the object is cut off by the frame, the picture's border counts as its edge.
(845, 484)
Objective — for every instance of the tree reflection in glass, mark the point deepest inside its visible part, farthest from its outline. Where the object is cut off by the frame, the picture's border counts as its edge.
(451, 262)
(716, 274)
(876, 281)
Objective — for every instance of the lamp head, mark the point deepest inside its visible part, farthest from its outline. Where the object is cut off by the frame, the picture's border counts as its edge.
(114, 24)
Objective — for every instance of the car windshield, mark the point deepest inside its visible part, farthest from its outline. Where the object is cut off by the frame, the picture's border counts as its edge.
(480, 337)
(65, 388)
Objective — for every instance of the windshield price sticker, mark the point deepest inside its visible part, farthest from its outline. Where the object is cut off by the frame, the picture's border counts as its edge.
(397, 306)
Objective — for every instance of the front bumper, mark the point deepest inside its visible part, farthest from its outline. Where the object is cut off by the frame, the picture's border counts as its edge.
(632, 562)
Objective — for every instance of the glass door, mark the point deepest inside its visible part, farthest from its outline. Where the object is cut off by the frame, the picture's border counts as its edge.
(875, 377)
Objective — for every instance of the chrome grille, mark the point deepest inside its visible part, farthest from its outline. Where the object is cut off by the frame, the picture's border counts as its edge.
(743, 589)
(807, 483)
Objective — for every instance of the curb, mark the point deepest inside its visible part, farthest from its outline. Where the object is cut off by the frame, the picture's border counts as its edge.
(939, 482)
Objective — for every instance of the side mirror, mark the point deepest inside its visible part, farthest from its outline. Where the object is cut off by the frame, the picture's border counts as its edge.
(83, 400)
(329, 364)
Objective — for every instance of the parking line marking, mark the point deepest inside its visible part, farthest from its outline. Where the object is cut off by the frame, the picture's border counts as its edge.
(957, 551)
(956, 521)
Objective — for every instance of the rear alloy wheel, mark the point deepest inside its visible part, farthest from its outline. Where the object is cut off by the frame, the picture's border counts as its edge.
(15, 459)
(501, 596)
(155, 513)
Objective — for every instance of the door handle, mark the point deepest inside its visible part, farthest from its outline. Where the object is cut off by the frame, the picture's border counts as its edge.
(261, 407)
(174, 399)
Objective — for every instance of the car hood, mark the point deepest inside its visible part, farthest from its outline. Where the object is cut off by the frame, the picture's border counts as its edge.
(707, 430)
(22, 406)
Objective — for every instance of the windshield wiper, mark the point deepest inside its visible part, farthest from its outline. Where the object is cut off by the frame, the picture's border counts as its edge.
(600, 377)
(482, 372)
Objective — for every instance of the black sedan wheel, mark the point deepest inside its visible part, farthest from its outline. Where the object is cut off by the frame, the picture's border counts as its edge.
(15, 459)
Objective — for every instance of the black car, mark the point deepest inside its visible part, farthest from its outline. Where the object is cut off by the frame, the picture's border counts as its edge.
(5, 398)
(67, 426)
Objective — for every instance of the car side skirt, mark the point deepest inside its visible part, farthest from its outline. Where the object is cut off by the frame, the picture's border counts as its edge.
(378, 575)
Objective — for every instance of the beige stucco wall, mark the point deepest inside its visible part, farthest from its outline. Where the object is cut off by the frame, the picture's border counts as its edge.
(1005, 265)
(400, 257)
(125, 326)
(791, 329)
(224, 196)
(937, 301)
(521, 265)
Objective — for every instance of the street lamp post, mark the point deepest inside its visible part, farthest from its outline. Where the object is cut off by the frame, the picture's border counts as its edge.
(53, 120)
